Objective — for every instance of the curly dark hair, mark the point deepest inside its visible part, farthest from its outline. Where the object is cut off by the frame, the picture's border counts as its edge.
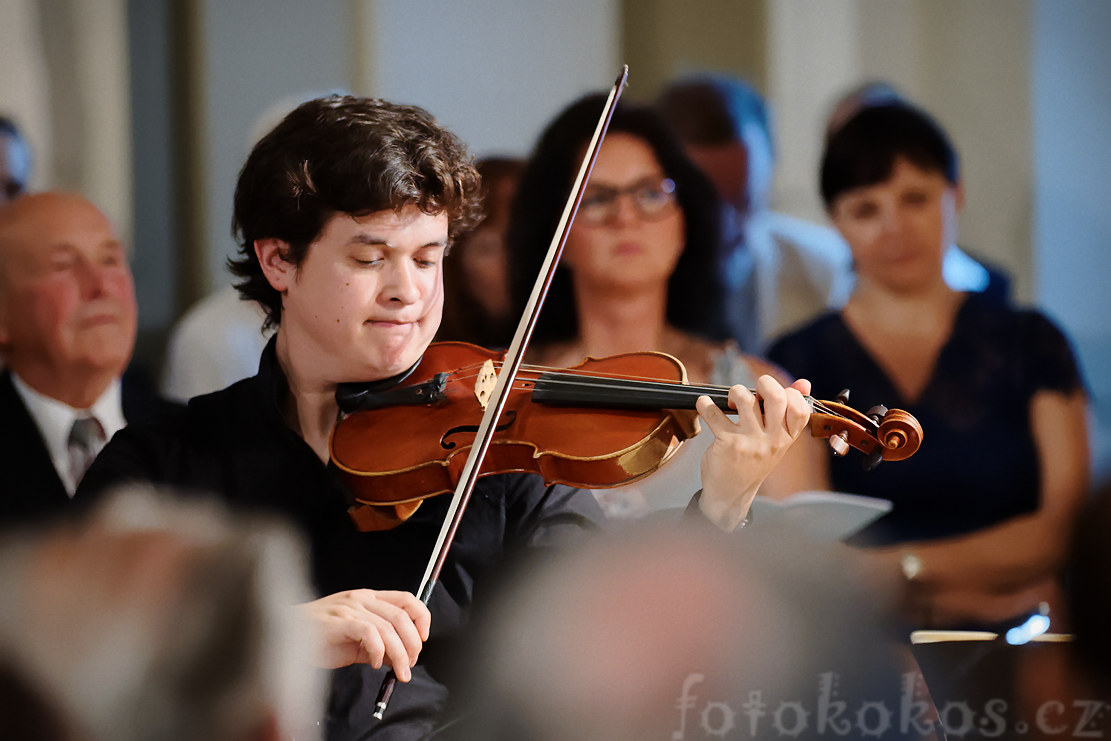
(863, 151)
(345, 154)
(696, 290)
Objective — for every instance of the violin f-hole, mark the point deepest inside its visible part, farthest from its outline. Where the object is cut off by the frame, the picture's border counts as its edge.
(510, 417)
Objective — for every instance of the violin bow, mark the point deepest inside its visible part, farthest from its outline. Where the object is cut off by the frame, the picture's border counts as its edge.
(510, 365)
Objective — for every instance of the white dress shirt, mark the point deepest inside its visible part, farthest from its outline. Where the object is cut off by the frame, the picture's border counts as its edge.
(55, 420)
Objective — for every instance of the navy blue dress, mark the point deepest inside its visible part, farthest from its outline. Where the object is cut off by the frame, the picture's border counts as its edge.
(977, 465)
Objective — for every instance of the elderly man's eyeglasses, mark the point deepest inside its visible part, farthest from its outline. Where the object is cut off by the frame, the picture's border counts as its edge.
(652, 198)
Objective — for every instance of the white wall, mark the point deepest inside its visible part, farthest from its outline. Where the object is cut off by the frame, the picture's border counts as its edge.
(256, 53)
(24, 81)
(813, 50)
(494, 71)
(1072, 188)
(1072, 159)
(65, 82)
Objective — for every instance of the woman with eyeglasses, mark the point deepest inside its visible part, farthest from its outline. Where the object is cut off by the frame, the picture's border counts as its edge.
(639, 272)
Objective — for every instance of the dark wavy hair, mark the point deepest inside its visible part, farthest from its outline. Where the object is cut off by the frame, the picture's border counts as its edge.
(345, 154)
(696, 291)
(863, 151)
(465, 319)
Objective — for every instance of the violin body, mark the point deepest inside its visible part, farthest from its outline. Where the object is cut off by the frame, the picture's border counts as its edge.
(416, 445)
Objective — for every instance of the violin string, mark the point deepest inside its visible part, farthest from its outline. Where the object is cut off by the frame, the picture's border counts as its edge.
(648, 383)
(692, 389)
(635, 384)
(583, 379)
(573, 376)
(472, 371)
(696, 391)
(550, 372)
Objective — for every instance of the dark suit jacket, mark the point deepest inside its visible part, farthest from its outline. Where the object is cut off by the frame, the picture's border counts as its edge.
(30, 489)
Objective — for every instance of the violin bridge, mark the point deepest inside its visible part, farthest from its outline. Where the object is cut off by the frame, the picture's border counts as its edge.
(484, 383)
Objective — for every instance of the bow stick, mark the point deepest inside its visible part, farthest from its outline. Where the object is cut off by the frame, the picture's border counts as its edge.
(510, 365)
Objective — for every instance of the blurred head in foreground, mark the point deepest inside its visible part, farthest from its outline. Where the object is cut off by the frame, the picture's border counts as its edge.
(161, 619)
(682, 633)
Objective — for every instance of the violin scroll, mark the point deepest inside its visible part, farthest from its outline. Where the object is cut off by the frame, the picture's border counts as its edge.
(881, 434)
(901, 435)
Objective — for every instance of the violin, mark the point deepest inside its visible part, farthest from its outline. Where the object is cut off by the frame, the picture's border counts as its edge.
(605, 422)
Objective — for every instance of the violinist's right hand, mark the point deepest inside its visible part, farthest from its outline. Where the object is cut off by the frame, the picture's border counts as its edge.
(369, 627)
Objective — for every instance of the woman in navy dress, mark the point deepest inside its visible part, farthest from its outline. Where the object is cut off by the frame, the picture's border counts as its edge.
(982, 511)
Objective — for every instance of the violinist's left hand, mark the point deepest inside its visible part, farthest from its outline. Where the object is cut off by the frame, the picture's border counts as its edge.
(745, 451)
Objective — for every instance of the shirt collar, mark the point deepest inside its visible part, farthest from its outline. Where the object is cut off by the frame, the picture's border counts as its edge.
(272, 383)
(54, 420)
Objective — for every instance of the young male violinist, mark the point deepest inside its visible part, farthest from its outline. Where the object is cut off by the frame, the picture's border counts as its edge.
(344, 214)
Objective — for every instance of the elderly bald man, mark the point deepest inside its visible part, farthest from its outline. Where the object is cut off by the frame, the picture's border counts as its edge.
(67, 331)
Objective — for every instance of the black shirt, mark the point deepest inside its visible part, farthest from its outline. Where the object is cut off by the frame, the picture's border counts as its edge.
(235, 443)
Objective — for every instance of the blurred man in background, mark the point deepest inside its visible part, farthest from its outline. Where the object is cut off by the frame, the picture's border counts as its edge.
(781, 271)
(15, 161)
(67, 332)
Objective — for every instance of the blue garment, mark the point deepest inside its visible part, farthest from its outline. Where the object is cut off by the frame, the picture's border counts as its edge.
(977, 465)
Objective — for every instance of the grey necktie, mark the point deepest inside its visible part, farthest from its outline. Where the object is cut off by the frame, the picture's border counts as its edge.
(85, 440)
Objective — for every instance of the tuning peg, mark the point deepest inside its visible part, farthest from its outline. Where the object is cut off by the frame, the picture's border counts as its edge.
(843, 397)
(873, 459)
(876, 413)
(840, 443)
